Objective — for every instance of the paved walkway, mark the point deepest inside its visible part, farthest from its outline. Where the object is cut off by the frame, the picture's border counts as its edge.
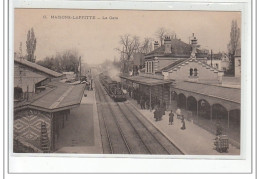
(192, 141)
(81, 133)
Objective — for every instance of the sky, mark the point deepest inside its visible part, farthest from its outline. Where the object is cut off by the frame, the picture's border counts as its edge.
(96, 33)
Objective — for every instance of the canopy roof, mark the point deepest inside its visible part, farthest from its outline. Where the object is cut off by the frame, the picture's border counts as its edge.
(146, 81)
(57, 97)
(216, 91)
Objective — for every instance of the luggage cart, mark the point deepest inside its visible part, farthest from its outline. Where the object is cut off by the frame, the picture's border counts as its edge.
(221, 143)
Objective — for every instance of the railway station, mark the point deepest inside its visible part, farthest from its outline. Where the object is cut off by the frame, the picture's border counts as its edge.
(189, 84)
(130, 94)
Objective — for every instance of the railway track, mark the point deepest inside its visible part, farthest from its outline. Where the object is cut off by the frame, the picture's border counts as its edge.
(165, 147)
(115, 136)
(132, 129)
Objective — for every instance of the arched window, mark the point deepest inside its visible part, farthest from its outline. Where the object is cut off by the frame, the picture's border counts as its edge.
(195, 72)
(191, 72)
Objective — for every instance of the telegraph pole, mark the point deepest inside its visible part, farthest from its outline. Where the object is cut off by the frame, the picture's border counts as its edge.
(211, 57)
(79, 67)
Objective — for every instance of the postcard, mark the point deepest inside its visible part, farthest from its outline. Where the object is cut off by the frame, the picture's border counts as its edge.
(128, 83)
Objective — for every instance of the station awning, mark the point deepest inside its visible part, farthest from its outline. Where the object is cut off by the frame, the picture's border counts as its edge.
(57, 97)
(146, 80)
(215, 91)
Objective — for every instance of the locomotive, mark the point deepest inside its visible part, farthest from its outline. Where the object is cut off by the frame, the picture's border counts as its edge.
(113, 88)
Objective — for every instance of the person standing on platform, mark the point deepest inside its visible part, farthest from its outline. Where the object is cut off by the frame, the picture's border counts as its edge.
(140, 102)
(183, 127)
(171, 115)
(163, 107)
(178, 112)
(160, 113)
(155, 114)
(152, 104)
(143, 102)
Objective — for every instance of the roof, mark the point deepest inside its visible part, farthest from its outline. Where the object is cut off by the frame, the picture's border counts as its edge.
(179, 63)
(172, 65)
(37, 67)
(57, 97)
(146, 81)
(178, 48)
(226, 93)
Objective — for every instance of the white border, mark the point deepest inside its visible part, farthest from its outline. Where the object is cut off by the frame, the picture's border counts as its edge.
(90, 164)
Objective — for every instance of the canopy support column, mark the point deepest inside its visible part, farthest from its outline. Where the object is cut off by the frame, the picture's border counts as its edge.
(198, 111)
(228, 119)
(150, 98)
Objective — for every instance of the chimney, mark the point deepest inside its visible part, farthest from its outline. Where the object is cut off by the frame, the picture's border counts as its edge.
(194, 46)
(156, 45)
(168, 45)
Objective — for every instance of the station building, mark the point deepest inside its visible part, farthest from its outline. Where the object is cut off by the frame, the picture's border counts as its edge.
(28, 76)
(38, 118)
(178, 74)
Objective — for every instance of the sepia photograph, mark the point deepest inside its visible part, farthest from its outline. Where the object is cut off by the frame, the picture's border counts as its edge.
(131, 82)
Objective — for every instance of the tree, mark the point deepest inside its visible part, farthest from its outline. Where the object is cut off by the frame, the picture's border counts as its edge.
(67, 60)
(161, 33)
(146, 46)
(129, 46)
(234, 44)
(31, 45)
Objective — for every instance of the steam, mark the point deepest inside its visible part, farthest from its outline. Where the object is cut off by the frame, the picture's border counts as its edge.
(113, 72)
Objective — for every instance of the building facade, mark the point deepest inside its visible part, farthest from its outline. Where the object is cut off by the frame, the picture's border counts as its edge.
(237, 64)
(27, 75)
(178, 74)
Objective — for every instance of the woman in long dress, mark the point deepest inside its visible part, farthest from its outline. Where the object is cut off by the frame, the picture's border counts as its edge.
(171, 115)
(183, 127)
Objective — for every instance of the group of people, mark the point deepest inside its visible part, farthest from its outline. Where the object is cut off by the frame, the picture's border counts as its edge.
(179, 116)
(157, 105)
(158, 113)
(144, 100)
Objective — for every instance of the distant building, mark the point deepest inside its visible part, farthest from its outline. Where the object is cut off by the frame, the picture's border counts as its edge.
(138, 62)
(237, 62)
(171, 52)
(27, 75)
(69, 75)
(219, 61)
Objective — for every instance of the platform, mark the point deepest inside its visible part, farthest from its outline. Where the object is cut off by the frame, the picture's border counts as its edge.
(192, 141)
(82, 133)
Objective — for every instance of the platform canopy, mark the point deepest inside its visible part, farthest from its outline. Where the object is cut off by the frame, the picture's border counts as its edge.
(57, 97)
(214, 91)
(146, 81)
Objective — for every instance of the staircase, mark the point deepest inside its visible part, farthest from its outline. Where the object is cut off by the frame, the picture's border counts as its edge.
(44, 138)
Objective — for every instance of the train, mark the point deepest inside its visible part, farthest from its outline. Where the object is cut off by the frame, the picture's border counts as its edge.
(113, 88)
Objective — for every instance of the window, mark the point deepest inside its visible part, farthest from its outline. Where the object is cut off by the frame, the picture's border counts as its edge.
(191, 72)
(195, 72)
(150, 67)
